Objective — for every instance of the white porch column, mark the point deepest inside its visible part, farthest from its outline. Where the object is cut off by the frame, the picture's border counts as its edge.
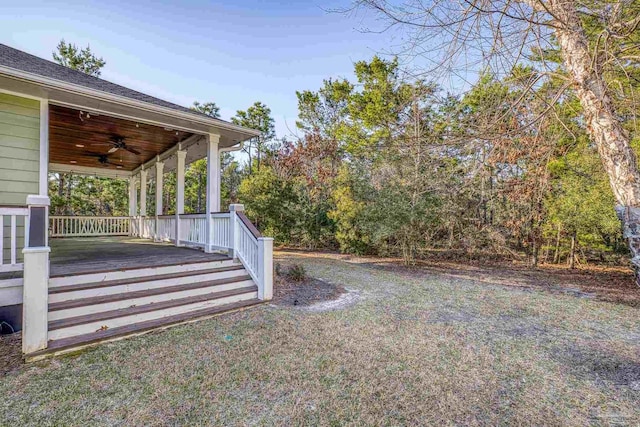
(159, 187)
(213, 183)
(143, 201)
(143, 192)
(133, 196)
(159, 196)
(180, 157)
(133, 203)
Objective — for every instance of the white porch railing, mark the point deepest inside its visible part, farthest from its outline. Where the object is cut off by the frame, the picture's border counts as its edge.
(247, 244)
(227, 231)
(89, 226)
(220, 230)
(166, 228)
(134, 226)
(193, 230)
(148, 227)
(15, 221)
(255, 251)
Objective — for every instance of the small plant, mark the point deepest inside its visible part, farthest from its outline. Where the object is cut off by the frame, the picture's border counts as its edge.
(278, 269)
(297, 273)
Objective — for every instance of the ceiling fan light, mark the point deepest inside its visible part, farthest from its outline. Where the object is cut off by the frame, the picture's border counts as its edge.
(80, 145)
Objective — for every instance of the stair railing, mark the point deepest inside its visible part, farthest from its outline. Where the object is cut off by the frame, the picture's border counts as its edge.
(253, 250)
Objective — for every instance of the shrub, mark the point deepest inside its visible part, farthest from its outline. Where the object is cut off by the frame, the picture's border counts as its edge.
(297, 273)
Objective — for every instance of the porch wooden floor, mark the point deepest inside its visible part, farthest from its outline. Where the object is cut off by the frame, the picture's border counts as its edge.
(93, 254)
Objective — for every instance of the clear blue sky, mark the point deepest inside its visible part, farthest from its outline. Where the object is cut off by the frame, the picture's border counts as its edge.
(233, 53)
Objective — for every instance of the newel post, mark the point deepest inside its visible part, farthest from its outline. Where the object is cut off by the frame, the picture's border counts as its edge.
(265, 268)
(35, 289)
(233, 229)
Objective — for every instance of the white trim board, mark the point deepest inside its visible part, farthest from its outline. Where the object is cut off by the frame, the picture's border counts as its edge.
(82, 90)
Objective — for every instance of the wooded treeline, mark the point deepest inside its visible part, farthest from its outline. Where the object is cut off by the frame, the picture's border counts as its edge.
(388, 165)
(392, 166)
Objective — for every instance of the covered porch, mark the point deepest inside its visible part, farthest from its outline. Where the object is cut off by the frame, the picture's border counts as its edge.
(84, 141)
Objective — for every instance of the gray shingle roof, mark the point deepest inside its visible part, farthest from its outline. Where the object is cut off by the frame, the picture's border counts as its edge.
(17, 59)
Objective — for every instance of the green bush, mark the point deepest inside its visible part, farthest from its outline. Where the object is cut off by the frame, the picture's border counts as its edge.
(297, 273)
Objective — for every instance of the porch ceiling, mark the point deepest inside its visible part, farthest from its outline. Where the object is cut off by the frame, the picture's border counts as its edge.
(78, 139)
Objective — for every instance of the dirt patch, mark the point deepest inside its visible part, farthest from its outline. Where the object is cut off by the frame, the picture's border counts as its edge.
(303, 290)
(10, 353)
(343, 301)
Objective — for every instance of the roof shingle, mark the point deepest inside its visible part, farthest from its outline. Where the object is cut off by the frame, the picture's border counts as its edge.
(19, 60)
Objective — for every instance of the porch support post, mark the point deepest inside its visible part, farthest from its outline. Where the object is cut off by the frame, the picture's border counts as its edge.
(35, 289)
(133, 203)
(180, 157)
(159, 196)
(159, 176)
(213, 184)
(143, 200)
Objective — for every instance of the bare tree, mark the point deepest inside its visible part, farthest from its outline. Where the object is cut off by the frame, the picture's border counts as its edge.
(590, 45)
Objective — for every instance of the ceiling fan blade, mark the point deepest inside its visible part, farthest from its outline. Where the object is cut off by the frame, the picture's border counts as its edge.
(132, 150)
(112, 150)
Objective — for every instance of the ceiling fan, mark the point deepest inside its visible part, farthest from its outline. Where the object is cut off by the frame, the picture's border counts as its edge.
(117, 143)
(103, 159)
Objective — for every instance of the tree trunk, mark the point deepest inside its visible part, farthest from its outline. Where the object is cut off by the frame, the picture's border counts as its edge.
(572, 255)
(603, 126)
(556, 254)
(534, 253)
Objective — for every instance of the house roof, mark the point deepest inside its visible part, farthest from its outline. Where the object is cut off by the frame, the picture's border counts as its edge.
(25, 62)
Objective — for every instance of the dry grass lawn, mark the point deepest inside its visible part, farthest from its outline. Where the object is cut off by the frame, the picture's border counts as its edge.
(412, 349)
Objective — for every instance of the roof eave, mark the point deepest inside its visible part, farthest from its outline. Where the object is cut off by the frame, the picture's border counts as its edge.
(122, 100)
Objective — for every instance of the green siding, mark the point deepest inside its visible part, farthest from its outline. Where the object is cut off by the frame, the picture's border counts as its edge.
(19, 159)
(19, 148)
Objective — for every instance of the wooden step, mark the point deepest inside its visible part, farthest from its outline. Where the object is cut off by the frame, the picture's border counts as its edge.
(87, 328)
(129, 281)
(82, 302)
(138, 272)
(80, 341)
(168, 264)
(112, 314)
